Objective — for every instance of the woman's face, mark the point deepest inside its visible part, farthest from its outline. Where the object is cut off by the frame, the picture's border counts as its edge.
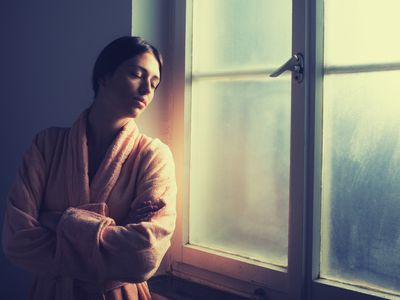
(131, 87)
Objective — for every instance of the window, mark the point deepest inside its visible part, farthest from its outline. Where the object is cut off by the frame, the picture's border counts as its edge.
(285, 186)
(240, 129)
(360, 194)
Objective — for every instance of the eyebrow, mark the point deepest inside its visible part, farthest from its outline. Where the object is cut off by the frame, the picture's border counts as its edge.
(145, 70)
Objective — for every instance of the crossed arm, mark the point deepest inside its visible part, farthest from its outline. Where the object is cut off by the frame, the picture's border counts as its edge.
(143, 213)
(83, 242)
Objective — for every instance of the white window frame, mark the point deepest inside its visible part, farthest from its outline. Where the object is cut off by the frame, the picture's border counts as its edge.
(206, 266)
(240, 276)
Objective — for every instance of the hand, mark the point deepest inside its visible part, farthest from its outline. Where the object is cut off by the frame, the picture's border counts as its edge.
(146, 211)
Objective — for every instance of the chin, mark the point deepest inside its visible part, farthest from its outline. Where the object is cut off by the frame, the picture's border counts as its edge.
(135, 112)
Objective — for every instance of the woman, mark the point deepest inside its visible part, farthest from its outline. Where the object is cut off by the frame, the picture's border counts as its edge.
(92, 210)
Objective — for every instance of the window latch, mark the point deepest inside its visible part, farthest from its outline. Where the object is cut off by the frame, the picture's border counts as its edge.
(294, 64)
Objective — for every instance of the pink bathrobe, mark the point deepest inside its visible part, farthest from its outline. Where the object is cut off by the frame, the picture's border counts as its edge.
(95, 250)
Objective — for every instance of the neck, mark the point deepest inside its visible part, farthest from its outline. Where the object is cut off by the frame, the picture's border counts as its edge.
(103, 124)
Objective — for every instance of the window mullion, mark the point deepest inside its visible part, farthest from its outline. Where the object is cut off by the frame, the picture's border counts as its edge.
(314, 142)
(298, 155)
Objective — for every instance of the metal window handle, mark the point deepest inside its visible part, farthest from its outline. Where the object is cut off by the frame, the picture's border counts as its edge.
(294, 64)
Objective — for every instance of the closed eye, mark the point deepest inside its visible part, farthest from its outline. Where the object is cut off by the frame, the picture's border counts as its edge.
(155, 83)
(142, 74)
(137, 74)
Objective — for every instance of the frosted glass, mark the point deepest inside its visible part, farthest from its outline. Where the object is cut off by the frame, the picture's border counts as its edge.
(361, 179)
(237, 34)
(361, 32)
(240, 168)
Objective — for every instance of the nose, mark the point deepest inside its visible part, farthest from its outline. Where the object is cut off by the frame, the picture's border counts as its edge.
(145, 87)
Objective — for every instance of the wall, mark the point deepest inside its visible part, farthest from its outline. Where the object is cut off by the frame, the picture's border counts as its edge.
(47, 52)
(153, 20)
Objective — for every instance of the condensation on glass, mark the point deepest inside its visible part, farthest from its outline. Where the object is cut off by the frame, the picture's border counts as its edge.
(361, 146)
(240, 128)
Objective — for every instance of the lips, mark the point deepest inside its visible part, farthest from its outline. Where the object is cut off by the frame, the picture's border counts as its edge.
(141, 102)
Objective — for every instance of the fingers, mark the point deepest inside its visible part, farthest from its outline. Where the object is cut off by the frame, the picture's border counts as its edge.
(147, 210)
(154, 203)
(144, 217)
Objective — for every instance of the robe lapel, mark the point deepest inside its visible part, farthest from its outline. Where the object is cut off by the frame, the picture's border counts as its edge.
(77, 179)
(79, 190)
(110, 168)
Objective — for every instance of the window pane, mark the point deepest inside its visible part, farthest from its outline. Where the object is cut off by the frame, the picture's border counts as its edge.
(240, 129)
(240, 168)
(361, 32)
(361, 179)
(237, 34)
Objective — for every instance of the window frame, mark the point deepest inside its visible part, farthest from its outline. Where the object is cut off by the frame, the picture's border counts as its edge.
(301, 280)
(201, 264)
(319, 288)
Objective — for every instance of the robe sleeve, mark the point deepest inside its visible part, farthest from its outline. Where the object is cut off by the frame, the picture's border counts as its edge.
(88, 245)
(25, 241)
(93, 248)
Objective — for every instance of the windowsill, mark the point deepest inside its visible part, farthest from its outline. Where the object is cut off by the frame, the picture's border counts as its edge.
(170, 287)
